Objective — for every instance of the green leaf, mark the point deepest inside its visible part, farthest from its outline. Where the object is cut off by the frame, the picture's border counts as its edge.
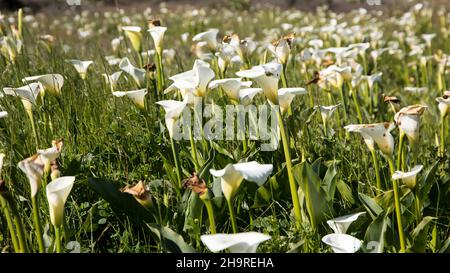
(317, 205)
(420, 234)
(371, 206)
(193, 212)
(204, 170)
(345, 191)
(329, 182)
(121, 201)
(170, 240)
(427, 181)
(375, 234)
(221, 150)
(274, 189)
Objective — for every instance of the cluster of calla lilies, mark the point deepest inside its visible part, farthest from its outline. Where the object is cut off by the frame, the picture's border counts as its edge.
(228, 66)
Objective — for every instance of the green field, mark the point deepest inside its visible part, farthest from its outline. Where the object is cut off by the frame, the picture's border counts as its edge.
(382, 152)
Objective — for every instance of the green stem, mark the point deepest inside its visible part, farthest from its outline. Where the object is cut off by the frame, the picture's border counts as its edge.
(377, 169)
(400, 148)
(292, 184)
(177, 166)
(10, 224)
(358, 110)
(58, 239)
(209, 209)
(283, 76)
(37, 224)
(344, 103)
(442, 146)
(397, 206)
(18, 223)
(232, 216)
(194, 150)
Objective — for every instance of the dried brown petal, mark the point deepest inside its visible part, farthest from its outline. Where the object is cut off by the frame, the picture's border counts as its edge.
(196, 184)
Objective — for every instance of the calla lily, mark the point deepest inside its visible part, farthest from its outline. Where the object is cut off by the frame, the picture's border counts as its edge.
(138, 74)
(231, 86)
(416, 90)
(286, 95)
(3, 114)
(282, 48)
(57, 192)
(233, 175)
(246, 95)
(10, 48)
(326, 111)
(246, 242)
(244, 48)
(50, 154)
(28, 94)
(157, 33)
(408, 120)
(137, 96)
(33, 167)
(408, 178)
(428, 38)
(372, 79)
(444, 104)
(330, 78)
(210, 37)
(196, 79)
(134, 34)
(342, 243)
(112, 79)
(341, 224)
(378, 133)
(141, 194)
(267, 77)
(173, 110)
(81, 66)
(49, 82)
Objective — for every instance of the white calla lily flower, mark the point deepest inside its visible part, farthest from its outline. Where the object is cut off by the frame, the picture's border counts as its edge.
(342, 243)
(3, 114)
(444, 104)
(49, 82)
(267, 77)
(28, 95)
(196, 79)
(210, 37)
(245, 242)
(33, 167)
(286, 96)
(112, 79)
(81, 67)
(326, 111)
(233, 175)
(137, 96)
(246, 95)
(157, 33)
(173, 109)
(134, 34)
(408, 120)
(230, 86)
(282, 48)
(57, 192)
(378, 133)
(138, 74)
(341, 224)
(408, 178)
(50, 154)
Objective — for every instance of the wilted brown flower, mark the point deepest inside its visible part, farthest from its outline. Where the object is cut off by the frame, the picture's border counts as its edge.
(196, 184)
(140, 193)
(393, 99)
(154, 23)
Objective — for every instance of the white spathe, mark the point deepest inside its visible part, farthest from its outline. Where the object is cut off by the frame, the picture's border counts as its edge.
(341, 224)
(233, 175)
(444, 104)
(408, 121)
(134, 34)
(210, 37)
(173, 109)
(3, 114)
(378, 133)
(245, 242)
(286, 95)
(57, 192)
(267, 77)
(326, 111)
(230, 86)
(137, 96)
(81, 66)
(196, 80)
(33, 167)
(342, 243)
(138, 74)
(112, 79)
(28, 92)
(408, 178)
(157, 33)
(49, 82)
(246, 95)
